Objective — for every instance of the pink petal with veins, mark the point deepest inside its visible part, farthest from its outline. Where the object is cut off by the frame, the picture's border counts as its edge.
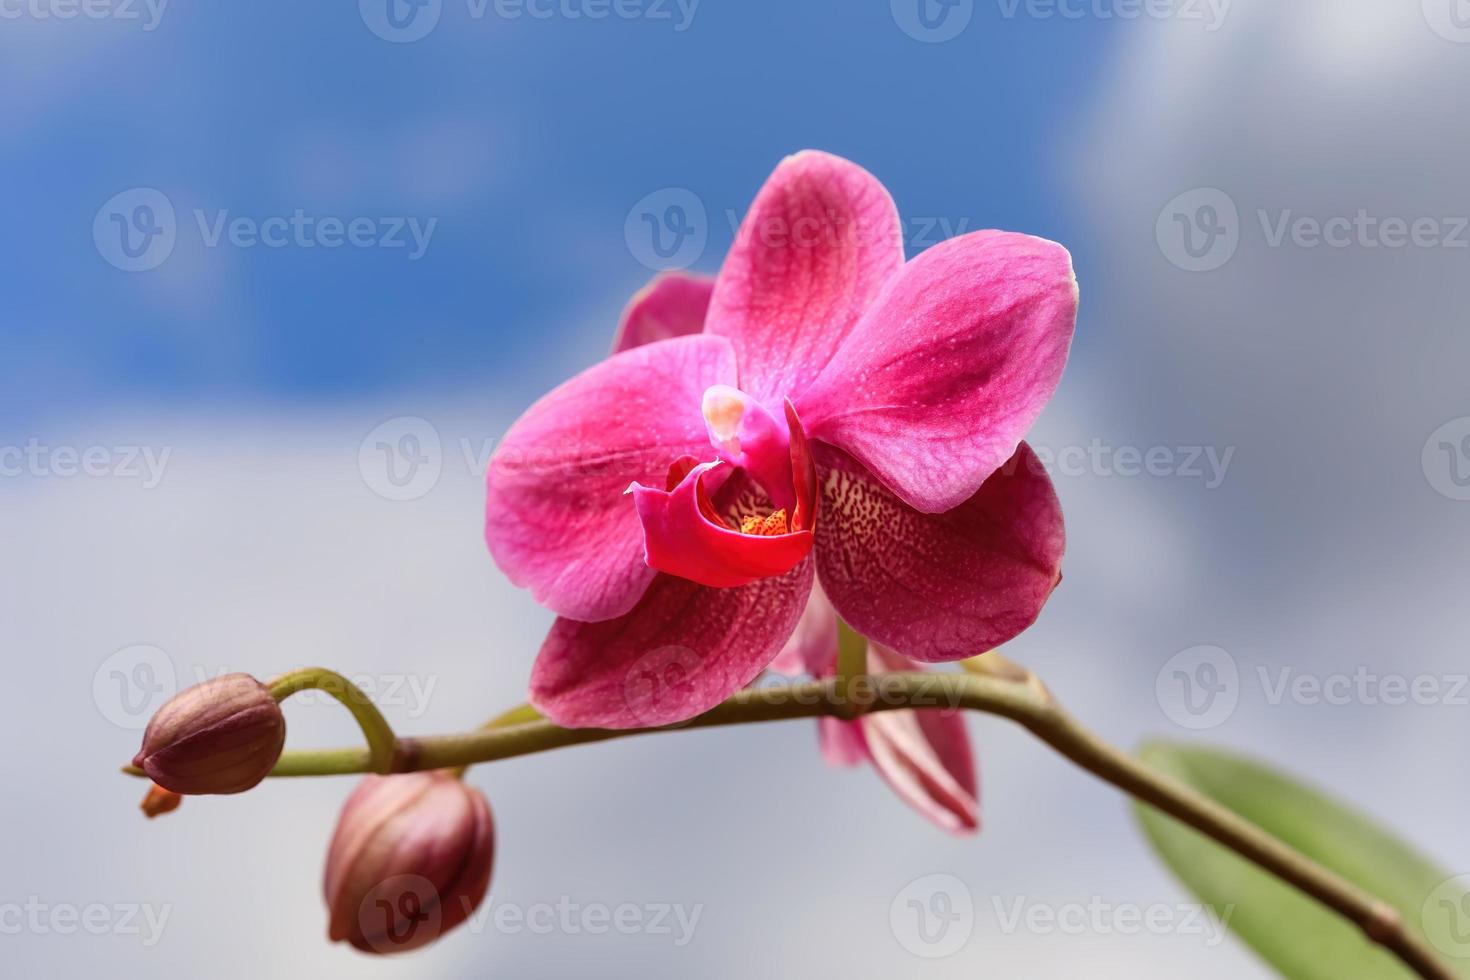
(936, 385)
(557, 519)
(682, 650)
(938, 587)
(819, 242)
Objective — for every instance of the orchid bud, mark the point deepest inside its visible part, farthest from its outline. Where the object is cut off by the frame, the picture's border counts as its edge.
(409, 861)
(222, 736)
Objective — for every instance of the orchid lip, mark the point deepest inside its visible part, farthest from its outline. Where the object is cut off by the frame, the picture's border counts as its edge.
(690, 532)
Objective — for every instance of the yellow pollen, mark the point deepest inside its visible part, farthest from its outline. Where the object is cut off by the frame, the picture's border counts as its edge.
(766, 526)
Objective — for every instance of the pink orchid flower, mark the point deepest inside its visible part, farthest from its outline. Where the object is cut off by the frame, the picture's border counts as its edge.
(823, 409)
(923, 755)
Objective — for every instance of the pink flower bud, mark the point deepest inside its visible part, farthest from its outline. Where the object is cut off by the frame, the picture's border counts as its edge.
(222, 736)
(410, 860)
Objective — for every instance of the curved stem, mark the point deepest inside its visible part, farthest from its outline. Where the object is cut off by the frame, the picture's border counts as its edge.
(382, 743)
(991, 684)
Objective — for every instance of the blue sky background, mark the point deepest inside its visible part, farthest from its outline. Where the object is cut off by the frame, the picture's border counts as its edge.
(1331, 542)
(528, 139)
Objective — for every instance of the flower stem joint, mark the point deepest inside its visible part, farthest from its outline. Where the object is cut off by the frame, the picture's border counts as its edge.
(222, 736)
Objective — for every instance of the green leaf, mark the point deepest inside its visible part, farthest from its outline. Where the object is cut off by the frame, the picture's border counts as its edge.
(1298, 936)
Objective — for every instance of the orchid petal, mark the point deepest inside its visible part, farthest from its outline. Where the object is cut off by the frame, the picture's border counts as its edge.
(673, 304)
(682, 650)
(924, 755)
(841, 742)
(817, 245)
(556, 518)
(812, 649)
(938, 587)
(944, 374)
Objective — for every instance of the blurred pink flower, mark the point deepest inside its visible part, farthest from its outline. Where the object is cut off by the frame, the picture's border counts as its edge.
(823, 409)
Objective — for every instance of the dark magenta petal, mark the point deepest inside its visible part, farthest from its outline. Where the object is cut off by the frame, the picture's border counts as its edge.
(557, 518)
(682, 650)
(938, 587)
(943, 376)
(672, 305)
(819, 242)
(684, 535)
